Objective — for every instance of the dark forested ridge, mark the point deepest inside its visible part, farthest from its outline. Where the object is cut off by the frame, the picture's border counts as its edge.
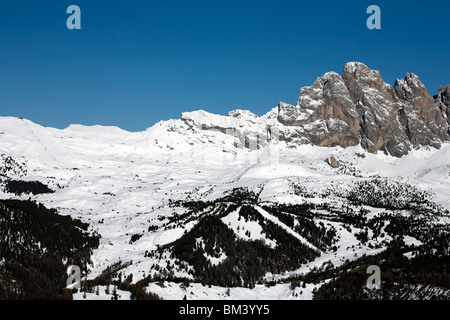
(34, 241)
(19, 187)
(403, 211)
(244, 261)
(423, 275)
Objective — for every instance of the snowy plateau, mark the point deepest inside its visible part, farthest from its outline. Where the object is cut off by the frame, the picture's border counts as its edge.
(213, 207)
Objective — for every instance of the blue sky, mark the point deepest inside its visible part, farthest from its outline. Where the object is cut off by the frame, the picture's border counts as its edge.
(136, 62)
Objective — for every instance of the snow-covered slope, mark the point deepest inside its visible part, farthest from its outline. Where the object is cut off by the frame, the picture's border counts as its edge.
(123, 183)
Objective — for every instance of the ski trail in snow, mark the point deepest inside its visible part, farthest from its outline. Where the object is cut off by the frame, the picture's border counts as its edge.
(270, 217)
(247, 166)
(241, 173)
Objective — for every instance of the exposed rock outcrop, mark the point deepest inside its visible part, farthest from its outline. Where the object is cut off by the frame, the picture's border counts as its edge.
(333, 162)
(442, 101)
(357, 107)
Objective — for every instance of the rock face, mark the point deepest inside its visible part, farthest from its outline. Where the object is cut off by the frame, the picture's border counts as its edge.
(442, 101)
(357, 107)
(325, 111)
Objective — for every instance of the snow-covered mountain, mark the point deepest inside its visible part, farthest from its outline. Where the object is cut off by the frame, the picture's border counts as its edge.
(356, 173)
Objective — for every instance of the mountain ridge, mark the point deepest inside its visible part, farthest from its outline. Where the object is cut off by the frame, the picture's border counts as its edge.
(355, 108)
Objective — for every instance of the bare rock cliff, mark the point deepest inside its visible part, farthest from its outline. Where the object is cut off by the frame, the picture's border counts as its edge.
(354, 108)
(359, 107)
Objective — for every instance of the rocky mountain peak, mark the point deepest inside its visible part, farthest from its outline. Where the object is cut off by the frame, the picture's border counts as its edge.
(357, 107)
(368, 111)
(444, 95)
(442, 101)
(411, 88)
(358, 74)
